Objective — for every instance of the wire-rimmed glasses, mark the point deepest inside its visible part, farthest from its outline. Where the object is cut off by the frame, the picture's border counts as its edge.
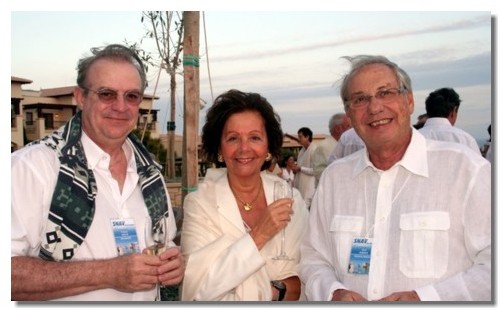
(385, 95)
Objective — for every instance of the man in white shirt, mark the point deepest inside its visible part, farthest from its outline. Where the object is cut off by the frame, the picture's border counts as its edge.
(442, 112)
(348, 143)
(337, 124)
(79, 234)
(303, 170)
(397, 221)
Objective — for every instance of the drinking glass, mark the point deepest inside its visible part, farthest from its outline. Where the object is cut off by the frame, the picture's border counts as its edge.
(282, 190)
(155, 232)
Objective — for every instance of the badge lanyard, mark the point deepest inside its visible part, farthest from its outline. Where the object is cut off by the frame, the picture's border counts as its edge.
(369, 231)
(361, 247)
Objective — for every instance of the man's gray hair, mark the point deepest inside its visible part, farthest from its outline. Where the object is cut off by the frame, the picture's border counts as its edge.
(358, 62)
(115, 52)
(335, 120)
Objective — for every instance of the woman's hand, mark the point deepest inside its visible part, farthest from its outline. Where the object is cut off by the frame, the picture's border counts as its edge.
(276, 217)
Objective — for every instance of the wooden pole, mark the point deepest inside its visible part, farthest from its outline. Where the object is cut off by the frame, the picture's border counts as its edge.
(191, 102)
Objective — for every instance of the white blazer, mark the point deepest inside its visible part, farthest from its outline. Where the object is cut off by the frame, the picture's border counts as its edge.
(223, 262)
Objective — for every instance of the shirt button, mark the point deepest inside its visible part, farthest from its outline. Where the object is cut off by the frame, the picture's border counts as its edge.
(423, 224)
(375, 291)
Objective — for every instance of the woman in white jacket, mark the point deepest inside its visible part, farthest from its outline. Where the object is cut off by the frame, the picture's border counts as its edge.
(231, 223)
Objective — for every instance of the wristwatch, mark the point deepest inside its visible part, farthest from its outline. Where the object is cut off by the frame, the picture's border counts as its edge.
(281, 287)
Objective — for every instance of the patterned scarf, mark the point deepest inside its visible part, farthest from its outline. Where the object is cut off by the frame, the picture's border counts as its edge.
(73, 202)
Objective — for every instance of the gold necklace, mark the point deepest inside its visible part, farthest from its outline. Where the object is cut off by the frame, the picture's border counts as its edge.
(247, 206)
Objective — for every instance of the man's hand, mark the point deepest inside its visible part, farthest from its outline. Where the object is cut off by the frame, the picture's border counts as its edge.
(134, 272)
(346, 295)
(171, 270)
(402, 296)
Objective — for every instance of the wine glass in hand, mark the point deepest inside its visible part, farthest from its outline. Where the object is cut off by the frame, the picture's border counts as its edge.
(282, 190)
(156, 240)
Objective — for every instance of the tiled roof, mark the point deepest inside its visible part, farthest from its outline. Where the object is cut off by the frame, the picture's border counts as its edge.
(20, 80)
(56, 92)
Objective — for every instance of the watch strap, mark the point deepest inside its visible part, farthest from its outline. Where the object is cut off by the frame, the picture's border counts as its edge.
(281, 287)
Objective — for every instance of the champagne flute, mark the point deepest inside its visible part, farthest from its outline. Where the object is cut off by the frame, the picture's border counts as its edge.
(155, 232)
(282, 190)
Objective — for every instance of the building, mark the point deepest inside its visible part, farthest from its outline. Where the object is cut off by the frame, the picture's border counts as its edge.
(16, 119)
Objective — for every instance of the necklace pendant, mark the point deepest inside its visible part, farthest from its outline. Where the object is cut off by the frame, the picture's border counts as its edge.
(247, 206)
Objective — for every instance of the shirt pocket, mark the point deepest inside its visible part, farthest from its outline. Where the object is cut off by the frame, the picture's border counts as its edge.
(343, 229)
(424, 244)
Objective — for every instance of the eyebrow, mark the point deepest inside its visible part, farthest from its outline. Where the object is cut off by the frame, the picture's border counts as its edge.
(377, 89)
(126, 91)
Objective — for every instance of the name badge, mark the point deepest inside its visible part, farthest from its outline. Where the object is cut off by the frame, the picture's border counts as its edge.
(125, 236)
(359, 262)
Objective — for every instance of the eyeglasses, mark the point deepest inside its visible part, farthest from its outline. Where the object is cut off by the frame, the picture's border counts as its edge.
(384, 95)
(108, 95)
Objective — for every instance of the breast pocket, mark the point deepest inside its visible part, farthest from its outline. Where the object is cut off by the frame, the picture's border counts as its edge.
(424, 244)
(343, 229)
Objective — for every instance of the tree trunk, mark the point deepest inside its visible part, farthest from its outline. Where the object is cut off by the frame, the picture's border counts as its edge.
(171, 131)
(191, 102)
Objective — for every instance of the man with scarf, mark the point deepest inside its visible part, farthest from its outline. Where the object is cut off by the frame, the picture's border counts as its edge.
(81, 193)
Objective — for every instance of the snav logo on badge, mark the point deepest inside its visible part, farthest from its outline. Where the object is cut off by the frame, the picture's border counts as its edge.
(125, 236)
(359, 262)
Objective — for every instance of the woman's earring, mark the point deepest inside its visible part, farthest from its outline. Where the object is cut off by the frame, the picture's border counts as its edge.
(220, 158)
(269, 157)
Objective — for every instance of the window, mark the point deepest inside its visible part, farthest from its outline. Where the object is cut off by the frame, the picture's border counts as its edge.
(29, 118)
(49, 120)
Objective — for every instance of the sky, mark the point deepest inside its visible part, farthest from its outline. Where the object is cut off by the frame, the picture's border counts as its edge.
(292, 58)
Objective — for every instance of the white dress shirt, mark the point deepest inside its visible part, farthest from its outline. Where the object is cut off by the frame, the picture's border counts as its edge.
(288, 176)
(429, 217)
(35, 169)
(321, 155)
(349, 142)
(440, 128)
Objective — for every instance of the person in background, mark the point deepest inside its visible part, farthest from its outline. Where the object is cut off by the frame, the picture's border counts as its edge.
(396, 221)
(442, 111)
(348, 143)
(337, 124)
(274, 167)
(231, 224)
(303, 170)
(288, 164)
(85, 181)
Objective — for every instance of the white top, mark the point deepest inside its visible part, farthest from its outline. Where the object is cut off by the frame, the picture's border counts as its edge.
(288, 176)
(222, 260)
(440, 128)
(321, 155)
(304, 179)
(36, 168)
(430, 222)
(349, 142)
